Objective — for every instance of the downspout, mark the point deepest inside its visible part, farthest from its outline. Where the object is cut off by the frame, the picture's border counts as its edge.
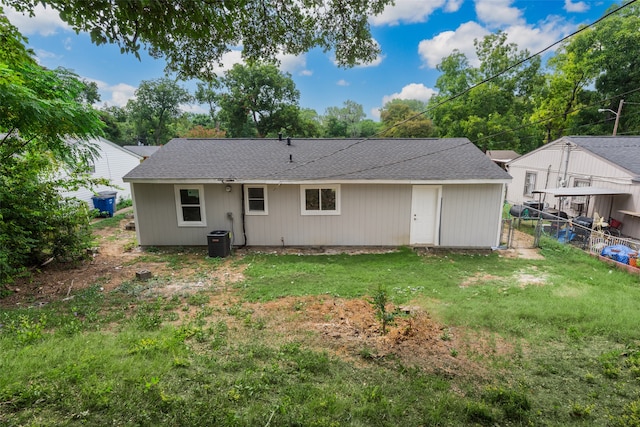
(546, 183)
(565, 184)
(566, 166)
(244, 229)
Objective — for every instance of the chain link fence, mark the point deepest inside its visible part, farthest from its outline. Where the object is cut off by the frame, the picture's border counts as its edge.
(589, 234)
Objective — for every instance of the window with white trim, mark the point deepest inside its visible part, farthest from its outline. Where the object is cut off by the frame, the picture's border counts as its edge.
(190, 206)
(255, 198)
(530, 183)
(581, 183)
(320, 199)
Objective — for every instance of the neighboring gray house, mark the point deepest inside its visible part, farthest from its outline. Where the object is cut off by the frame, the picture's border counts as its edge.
(143, 151)
(502, 157)
(319, 192)
(112, 163)
(583, 175)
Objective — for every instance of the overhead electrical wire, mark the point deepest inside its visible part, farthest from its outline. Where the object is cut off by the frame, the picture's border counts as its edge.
(453, 97)
(549, 118)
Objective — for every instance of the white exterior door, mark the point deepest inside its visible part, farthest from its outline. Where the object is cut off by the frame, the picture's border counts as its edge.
(425, 214)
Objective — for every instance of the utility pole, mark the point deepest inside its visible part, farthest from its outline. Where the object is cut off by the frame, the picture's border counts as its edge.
(615, 126)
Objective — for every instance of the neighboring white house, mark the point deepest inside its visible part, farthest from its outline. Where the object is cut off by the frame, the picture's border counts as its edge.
(319, 192)
(112, 163)
(589, 174)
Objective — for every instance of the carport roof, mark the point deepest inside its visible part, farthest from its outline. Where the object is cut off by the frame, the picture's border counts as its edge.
(581, 191)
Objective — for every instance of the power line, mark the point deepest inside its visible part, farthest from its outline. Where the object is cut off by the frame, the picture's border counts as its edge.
(509, 68)
(453, 97)
(549, 118)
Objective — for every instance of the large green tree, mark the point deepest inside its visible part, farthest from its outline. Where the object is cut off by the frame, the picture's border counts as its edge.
(155, 107)
(258, 100)
(43, 127)
(404, 118)
(494, 114)
(344, 121)
(595, 69)
(192, 35)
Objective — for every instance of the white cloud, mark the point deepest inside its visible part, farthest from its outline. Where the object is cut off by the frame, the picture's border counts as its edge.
(288, 63)
(433, 50)
(453, 5)
(120, 94)
(306, 73)
(292, 63)
(578, 6)
(496, 13)
(228, 60)
(45, 54)
(374, 63)
(531, 37)
(536, 38)
(193, 108)
(410, 11)
(411, 91)
(342, 82)
(46, 22)
(114, 95)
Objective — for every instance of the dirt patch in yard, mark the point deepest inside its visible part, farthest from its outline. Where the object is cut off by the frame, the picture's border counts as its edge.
(346, 328)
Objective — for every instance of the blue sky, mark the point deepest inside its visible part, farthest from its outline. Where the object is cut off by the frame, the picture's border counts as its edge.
(414, 36)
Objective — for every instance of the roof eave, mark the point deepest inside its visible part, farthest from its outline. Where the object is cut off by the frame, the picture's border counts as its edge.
(315, 181)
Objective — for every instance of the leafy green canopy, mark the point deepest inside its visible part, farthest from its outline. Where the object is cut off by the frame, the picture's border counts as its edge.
(258, 99)
(40, 111)
(156, 105)
(491, 114)
(594, 70)
(192, 35)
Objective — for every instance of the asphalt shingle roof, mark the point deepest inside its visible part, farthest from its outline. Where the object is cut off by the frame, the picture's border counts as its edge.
(318, 159)
(142, 150)
(623, 151)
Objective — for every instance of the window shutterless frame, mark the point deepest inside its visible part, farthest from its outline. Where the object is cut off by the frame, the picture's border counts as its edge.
(256, 200)
(190, 206)
(320, 199)
(530, 179)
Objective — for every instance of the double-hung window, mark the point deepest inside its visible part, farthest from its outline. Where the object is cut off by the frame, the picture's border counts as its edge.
(529, 183)
(256, 200)
(581, 183)
(190, 206)
(320, 199)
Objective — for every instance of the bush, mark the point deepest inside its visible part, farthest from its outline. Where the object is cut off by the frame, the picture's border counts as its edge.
(123, 203)
(38, 224)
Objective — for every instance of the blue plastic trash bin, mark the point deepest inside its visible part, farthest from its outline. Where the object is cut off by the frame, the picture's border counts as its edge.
(105, 202)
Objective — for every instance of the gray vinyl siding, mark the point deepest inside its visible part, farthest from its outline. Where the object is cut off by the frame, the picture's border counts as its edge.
(157, 222)
(371, 215)
(470, 215)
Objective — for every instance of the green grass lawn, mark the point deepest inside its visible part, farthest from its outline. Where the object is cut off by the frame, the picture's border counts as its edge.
(125, 357)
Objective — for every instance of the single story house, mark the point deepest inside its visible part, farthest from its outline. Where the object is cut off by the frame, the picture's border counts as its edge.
(112, 163)
(319, 192)
(583, 175)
